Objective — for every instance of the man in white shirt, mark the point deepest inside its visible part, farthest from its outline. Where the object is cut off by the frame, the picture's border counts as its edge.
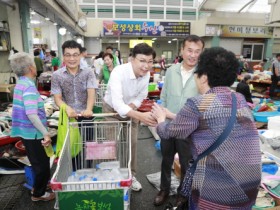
(83, 62)
(127, 87)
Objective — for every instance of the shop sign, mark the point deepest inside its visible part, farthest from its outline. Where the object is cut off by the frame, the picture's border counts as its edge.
(247, 31)
(92, 200)
(37, 33)
(145, 28)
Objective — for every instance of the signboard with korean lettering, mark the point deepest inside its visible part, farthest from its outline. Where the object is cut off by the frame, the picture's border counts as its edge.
(247, 31)
(145, 28)
(92, 200)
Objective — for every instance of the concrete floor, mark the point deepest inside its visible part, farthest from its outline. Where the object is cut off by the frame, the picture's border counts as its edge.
(14, 196)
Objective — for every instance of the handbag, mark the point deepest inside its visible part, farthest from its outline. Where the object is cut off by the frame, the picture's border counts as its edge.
(187, 183)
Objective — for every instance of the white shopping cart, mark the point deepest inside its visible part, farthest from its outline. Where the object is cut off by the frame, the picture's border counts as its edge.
(100, 93)
(101, 142)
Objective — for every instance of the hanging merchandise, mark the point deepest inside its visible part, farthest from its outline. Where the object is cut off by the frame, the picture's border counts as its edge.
(4, 44)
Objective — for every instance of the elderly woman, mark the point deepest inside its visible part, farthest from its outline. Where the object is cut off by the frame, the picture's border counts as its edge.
(29, 123)
(229, 176)
(108, 67)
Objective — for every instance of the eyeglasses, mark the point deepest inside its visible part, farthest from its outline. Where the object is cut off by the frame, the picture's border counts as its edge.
(76, 55)
(143, 62)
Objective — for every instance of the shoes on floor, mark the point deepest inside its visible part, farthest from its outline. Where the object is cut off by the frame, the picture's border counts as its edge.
(181, 201)
(46, 197)
(136, 186)
(48, 188)
(161, 197)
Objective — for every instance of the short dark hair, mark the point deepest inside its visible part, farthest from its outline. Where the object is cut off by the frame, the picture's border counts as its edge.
(144, 49)
(52, 53)
(277, 55)
(109, 47)
(246, 77)
(36, 52)
(108, 54)
(83, 49)
(220, 66)
(100, 55)
(71, 44)
(193, 38)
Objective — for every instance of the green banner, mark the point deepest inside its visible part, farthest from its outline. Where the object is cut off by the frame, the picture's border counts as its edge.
(92, 200)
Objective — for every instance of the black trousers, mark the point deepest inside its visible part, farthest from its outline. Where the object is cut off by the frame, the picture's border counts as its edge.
(273, 86)
(168, 149)
(40, 165)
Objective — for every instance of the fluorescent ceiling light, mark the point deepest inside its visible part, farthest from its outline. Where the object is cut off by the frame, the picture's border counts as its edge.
(117, 41)
(62, 31)
(79, 40)
(33, 12)
(169, 42)
(34, 21)
(154, 39)
(55, 24)
(175, 39)
(46, 18)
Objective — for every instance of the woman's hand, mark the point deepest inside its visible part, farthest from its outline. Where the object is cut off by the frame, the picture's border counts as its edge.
(47, 140)
(159, 113)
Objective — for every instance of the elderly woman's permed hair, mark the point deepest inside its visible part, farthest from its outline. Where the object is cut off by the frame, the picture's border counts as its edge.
(20, 63)
(220, 66)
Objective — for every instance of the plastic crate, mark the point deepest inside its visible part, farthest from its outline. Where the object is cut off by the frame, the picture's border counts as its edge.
(97, 109)
(29, 176)
(262, 116)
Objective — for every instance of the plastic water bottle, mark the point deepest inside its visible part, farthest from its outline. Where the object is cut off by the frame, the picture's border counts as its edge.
(116, 174)
(108, 165)
(72, 178)
(49, 150)
(126, 198)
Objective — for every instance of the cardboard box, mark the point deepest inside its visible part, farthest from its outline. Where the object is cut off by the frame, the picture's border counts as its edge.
(177, 168)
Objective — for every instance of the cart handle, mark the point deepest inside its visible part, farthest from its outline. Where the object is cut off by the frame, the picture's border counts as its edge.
(101, 114)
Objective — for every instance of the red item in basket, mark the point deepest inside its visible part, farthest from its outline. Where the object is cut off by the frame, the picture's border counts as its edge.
(104, 150)
(146, 106)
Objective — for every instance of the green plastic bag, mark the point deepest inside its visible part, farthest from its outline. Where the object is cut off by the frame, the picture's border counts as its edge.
(75, 137)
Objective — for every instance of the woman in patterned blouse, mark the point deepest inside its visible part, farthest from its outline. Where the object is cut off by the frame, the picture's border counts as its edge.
(229, 177)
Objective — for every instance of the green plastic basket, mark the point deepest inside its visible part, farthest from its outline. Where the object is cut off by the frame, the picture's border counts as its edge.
(97, 109)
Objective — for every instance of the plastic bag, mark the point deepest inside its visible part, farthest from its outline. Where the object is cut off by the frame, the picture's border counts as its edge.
(74, 132)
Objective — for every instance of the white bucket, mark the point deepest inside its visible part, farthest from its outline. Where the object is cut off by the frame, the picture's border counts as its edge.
(156, 77)
(273, 123)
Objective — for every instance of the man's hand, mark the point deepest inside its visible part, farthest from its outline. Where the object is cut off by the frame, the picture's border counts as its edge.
(159, 113)
(71, 112)
(47, 140)
(87, 113)
(148, 119)
(132, 106)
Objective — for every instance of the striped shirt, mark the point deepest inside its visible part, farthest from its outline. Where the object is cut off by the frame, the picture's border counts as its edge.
(229, 177)
(27, 100)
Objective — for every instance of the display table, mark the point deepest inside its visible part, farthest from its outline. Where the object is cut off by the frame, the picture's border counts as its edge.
(8, 89)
